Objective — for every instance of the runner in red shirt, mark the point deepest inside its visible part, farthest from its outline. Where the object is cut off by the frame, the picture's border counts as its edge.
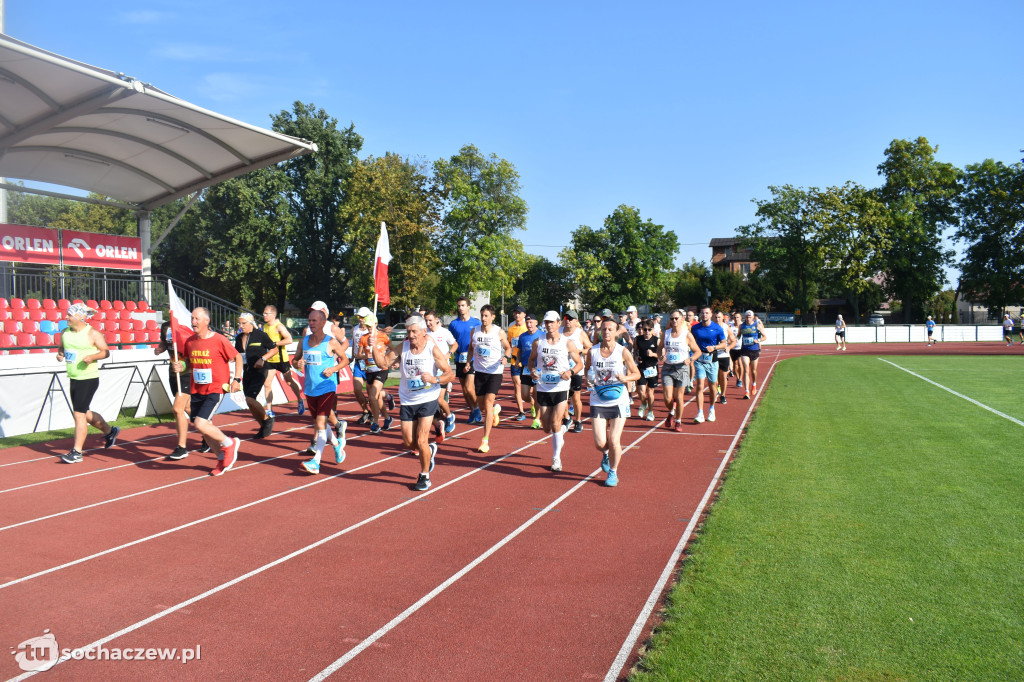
(207, 354)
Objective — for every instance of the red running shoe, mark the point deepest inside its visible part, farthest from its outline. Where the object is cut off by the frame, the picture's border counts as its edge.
(230, 457)
(671, 422)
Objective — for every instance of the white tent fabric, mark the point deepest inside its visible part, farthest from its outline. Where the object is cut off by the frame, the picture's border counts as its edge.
(68, 123)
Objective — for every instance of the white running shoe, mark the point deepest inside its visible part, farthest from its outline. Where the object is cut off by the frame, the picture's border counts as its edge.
(556, 463)
(699, 419)
(711, 415)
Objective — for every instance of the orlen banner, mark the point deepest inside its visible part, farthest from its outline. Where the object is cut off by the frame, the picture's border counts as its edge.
(21, 244)
(101, 250)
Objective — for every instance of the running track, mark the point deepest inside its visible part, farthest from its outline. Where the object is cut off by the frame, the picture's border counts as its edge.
(503, 570)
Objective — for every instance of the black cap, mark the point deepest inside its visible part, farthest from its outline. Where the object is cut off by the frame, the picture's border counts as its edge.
(530, 317)
(519, 309)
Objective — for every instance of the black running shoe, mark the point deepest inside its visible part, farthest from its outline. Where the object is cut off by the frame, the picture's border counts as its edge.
(390, 401)
(578, 428)
(721, 399)
(422, 483)
(179, 453)
(205, 447)
(111, 438)
(267, 428)
(74, 457)
(363, 418)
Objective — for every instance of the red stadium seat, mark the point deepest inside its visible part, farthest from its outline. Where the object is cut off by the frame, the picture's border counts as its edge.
(111, 337)
(36, 314)
(138, 325)
(63, 304)
(144, 305)
(93, 304)
(130, 305)
(105, 305)
(4, 303)
(17, 303)
(118, 305)
(49, 304)
(6, 340)
(33, 304)
(152, 325)
(5, 314)
(31, 326)
(11, 327)
(18, 314)
(54, 315)
(43, 339)
(100, 315)
(154, 336)
(23, 339)
(124, 314)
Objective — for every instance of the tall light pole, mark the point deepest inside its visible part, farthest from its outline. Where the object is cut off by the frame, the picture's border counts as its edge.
(3, 192)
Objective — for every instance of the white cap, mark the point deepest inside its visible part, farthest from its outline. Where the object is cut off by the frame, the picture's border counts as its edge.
(840, 317)
(363, 312)
(552, 316)
(631, 309)
(321, 306)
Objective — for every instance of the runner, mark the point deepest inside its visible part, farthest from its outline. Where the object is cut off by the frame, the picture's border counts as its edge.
(516, 367)
(611, 368)
(841, 333)
(550, 362)
(930, 327)
(179, 384)
(674, 352)
(462, 329)
(280, 335)
(572, 329)
(490, 352)
(315, 357)
(527, 384)
(647, 365)
(424, 367)
(725, 357)
(734, 354)
(710, 338)
(1008, 329)
(359, 365)
(751, 333)
(80, 347)
(208, 354)
(375, 376)
(446, 342)
(632, 320)
(338, 333)
(255, 348)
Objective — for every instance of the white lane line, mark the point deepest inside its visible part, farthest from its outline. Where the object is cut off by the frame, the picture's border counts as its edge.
(958, 395)
(201, 477)
(265, 567)
(638, 625)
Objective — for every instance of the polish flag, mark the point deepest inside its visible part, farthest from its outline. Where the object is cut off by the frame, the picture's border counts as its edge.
(380, 267)
(181, 321)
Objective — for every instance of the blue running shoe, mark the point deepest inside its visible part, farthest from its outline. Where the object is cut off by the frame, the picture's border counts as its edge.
(606, 465)
(388, 420)
(612, 480)
(374, 427)
(311, 466)
(433, 454)
(449, 423)
(339, 452)
(302, 407)
(520, 417)
(475, 416)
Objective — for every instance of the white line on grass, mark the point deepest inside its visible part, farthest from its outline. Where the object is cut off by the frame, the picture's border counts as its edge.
(958, 395)
(652, 600)
(265, 567)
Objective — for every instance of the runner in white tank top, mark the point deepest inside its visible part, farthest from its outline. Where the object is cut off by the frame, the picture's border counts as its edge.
(574, 331)
(610, 370)
(448, 345)
(549, 365)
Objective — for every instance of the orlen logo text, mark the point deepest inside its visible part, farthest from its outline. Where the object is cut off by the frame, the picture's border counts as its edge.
(103, 250)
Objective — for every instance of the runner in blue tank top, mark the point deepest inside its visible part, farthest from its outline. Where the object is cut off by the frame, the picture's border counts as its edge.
(751, 333)
(320, 357)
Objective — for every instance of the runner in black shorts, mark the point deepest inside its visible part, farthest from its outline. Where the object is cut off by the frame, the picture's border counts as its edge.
(180, 385)
(725, 356)
(255, 346)
(646, 349)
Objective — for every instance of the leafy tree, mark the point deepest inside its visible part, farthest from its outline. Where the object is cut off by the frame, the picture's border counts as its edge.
(398, 192)
(481, 209)
(919, 196)
(942, 306)
(319, 244)
(690, 284)
(726, 289)
(787, 244)
(542, 286)
(24, 208)
(991, 208)
(628, 261)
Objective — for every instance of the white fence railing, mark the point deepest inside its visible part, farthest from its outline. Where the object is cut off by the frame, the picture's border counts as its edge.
(890, 333)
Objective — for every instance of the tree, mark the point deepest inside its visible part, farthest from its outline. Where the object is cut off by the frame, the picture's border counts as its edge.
(787, 245)
(323, 265)
(24, 208)
(919, 196)
(726, 289)
(628, 261)
(542, 286)
(690, 284)
(991, 209)
(853, 233)
(481, 209)
(398, 192)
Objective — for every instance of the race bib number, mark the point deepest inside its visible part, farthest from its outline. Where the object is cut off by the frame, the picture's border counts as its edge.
(415, 384)
(361, 364)
(202, 376)
(484, 351)
(550, 378)
(749, 340)
(674, 358)
(572, 363)
(70, 356)
(463, 357)
(169, 337)
(650, 372)
(313, 357)
(707, 357)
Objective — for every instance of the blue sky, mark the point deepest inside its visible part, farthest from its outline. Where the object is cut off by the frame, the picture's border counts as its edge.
(686, 112)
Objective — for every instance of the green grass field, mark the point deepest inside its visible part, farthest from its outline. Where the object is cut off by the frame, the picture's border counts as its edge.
(871, 527)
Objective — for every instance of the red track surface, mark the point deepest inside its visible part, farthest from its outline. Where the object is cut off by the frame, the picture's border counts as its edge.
(278, 574)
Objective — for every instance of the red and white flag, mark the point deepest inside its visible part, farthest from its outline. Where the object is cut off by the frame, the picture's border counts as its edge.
(380, 267)
(181, 320)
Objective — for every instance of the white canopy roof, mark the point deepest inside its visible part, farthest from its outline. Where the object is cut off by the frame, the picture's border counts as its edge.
(71, 124)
